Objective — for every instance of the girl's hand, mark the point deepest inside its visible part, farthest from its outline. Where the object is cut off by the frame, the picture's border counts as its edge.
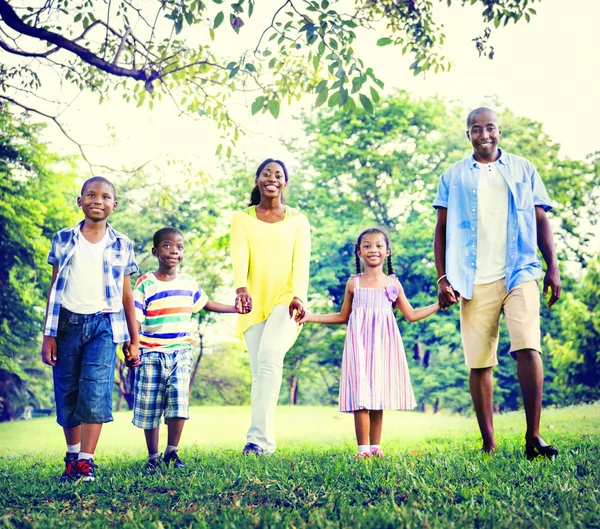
(49, 351)
(243, 301)
(304, 319)
(296, 305)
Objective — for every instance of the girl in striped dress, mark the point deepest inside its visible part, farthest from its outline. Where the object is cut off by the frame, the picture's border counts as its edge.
(374, 369)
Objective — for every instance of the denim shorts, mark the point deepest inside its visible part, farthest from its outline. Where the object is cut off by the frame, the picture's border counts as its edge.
(85, 369)
(162, 383)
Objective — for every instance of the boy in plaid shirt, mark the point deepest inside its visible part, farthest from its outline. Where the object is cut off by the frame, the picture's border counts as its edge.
(90, 309)
(164, 302)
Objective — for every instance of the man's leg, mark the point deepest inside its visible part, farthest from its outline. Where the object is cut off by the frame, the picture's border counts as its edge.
(479, 320)
(481, 385)
(530, 372)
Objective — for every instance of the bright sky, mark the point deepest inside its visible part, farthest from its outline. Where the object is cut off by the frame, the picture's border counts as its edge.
(546, 70)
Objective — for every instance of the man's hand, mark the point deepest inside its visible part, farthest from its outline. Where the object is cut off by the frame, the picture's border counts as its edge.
(447, 296)
(49, 351)
(132, 357)
(296, 305)
(552, 281)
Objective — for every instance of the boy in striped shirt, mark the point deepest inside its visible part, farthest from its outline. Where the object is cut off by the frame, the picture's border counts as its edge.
(164, 303)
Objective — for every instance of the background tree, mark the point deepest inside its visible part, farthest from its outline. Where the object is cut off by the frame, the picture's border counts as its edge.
(151, 49)
(36, 200)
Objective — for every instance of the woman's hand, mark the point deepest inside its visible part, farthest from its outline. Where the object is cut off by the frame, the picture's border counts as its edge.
(296, 305)
(243, 301)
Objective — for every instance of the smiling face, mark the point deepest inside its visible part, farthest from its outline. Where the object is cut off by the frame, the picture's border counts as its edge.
(169, 251)
(271, 181)
(97, 201)
(484, 133)
(373, 249)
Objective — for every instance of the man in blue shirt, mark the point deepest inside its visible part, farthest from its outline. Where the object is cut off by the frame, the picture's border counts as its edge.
(491, 218)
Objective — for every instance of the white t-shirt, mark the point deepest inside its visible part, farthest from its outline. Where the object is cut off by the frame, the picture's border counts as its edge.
(492, 224)
(85, 291)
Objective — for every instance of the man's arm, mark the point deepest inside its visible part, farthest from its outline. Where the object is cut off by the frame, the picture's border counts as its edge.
(545, 243)
(446, 296)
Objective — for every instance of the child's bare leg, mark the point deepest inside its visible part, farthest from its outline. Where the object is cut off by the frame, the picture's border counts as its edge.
(175, 427)
(72, 435)
(376, 417)
(361, 426)
(90, 433)
(152, 440)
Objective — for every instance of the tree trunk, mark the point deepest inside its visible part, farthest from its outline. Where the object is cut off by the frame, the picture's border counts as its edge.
(197, 364)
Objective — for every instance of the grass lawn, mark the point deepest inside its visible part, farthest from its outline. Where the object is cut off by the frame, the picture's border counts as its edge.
(431, 476)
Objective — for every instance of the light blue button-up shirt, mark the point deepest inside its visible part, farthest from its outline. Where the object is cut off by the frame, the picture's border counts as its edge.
(457, 191)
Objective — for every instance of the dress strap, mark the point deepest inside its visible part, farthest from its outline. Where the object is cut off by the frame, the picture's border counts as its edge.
(356, 285)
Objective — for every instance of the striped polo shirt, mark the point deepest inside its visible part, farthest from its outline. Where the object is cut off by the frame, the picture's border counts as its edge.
(164, 309)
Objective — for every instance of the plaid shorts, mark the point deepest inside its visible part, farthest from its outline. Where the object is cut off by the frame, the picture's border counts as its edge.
(162, 383)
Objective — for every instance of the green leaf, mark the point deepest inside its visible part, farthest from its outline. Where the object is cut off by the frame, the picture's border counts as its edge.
(334, 99)
(219, 149)
(189, 18)
(218, 19)
(322, 97)
(321, 48)
(274, 108)
(258, 104)
(385, 41)
(343, 97)
(375, 95)
(366, 103)
(321, 86)
(77, 17)
(250, 67)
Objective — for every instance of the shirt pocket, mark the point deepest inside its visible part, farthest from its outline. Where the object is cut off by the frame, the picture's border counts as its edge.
(524, 196)
(118, 264)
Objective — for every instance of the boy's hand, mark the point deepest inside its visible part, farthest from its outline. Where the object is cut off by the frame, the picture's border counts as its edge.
(132, 357)
(49, 351)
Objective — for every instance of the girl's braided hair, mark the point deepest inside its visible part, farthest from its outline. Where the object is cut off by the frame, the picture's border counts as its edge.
(390, 268)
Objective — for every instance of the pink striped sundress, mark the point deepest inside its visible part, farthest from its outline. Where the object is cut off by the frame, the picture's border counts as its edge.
(374, 369)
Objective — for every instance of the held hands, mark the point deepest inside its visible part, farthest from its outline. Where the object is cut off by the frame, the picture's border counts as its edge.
(305, 318)
(447, 296)
(243, 301)
(132, 357)
(296, 305)
(49, 352)
(552, 281)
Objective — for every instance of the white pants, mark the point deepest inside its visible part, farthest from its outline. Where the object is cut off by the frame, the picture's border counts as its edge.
(267, 343)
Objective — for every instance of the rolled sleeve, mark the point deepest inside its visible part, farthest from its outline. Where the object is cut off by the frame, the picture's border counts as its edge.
(540, 196)
(132, 266)
(441, 199)
(53, 255)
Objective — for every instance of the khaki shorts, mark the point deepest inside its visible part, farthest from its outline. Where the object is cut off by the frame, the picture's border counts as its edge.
(480, 320)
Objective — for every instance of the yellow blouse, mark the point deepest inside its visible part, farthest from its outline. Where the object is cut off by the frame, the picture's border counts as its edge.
(272, 260)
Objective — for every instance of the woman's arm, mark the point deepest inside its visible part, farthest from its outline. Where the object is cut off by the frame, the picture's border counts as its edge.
(301, 260)
(240, 259)
(339, 317)
(406, 309)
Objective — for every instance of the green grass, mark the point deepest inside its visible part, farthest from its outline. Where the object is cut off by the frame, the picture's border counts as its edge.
(431, 475)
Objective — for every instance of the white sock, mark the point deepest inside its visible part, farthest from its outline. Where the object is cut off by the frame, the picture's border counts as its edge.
(373, 447)
(170, 448)
(74, 449)
(85, 455)
(363, 449)
(151, 457)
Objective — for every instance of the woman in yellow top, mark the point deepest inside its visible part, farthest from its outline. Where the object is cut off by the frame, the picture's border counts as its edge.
(270, 250)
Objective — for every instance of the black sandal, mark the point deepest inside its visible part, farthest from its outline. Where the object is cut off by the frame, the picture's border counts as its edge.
(537, 449)
(252, 449)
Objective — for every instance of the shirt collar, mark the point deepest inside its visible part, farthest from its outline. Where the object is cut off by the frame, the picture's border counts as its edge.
(112, 234)
(475, 164)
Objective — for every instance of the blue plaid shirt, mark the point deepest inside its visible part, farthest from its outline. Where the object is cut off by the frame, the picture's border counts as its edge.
(119, 261)
(457, 191)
